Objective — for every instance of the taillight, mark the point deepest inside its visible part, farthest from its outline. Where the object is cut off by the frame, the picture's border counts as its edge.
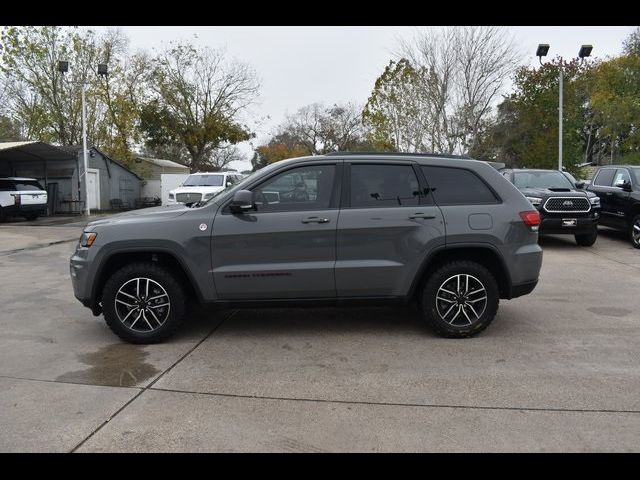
(531, 219)
(18, 199)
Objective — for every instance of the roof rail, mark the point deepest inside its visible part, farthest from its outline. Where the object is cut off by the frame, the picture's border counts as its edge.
(437, 155)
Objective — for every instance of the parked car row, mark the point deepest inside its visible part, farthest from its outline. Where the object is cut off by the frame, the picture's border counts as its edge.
(568, 206)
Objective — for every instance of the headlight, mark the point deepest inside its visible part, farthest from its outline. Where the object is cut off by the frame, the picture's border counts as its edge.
(595, 201)
(87, 239)
(535, 201)
(172, 196)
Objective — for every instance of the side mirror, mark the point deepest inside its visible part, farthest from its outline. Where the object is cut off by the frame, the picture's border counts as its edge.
(242, 201)
(626, 186)
(580, 185)
(229, 184)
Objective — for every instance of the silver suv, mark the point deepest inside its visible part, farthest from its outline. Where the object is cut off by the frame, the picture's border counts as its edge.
(449, 232)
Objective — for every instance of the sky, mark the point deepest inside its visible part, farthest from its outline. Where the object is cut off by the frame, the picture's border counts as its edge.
(299, 65)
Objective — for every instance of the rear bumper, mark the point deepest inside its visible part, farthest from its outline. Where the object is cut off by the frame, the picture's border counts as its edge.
(523, 289)
(16, 210)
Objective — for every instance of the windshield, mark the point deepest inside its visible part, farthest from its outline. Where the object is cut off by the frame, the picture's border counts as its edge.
(534, 179)
(204, 181)
(29, 185)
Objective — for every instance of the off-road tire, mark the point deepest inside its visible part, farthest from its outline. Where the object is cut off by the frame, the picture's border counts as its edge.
(164, 278)
(587, 239)
(432, 286)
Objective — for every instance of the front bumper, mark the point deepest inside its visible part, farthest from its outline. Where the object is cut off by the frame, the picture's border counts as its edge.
(554, 225)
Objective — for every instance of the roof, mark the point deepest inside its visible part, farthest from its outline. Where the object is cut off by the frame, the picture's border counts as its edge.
(21, 151)
(75, 149)
(163, 163)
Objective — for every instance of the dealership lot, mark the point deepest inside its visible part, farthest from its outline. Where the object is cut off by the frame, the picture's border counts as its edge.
(556, 371)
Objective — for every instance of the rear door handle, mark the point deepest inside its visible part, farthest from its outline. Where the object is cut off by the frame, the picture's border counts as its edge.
(315, 220)
(421, 215)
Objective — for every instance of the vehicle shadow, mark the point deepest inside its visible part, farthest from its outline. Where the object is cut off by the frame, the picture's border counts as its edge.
(402, 319)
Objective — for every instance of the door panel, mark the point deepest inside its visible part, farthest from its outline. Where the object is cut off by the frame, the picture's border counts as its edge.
(286, 248)
(385, 229)
(274, 255)
(381, 249)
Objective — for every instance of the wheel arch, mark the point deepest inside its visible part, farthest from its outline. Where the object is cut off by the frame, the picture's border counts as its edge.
(485, 254)
(120, 258)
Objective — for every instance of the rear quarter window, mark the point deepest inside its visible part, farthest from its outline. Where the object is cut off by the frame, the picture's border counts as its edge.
(458, 186)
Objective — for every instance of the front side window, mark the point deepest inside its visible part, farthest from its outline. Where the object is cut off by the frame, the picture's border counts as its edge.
(604, 178)
(458, 186)
(204, 181)
(302, 188)
(384, 186)
(621, 177)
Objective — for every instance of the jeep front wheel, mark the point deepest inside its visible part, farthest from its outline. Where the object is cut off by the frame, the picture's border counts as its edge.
(143, 303)
(460, 299)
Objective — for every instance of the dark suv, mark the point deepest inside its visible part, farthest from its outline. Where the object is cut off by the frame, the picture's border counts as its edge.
(449, 232)
(619, 190)
(565, 208)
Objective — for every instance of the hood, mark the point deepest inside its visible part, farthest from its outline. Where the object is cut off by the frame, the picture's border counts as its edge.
(556, 192)
(141, 215)
(198, 189)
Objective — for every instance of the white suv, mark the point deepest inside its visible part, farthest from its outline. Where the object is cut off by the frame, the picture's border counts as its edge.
(202, 186)
(22, 197)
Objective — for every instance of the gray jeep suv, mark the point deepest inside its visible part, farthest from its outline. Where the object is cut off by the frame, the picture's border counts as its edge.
(450, 232)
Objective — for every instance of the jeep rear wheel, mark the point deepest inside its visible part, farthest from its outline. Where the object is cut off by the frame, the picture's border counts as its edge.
(634, 232)
(460, 299)
(587, 239)
(143, 303)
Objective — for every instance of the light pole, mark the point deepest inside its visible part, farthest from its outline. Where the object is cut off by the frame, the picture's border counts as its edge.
(63, 67)
(542, 51)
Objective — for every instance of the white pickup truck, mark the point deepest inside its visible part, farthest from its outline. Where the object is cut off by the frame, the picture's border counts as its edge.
(22, 197)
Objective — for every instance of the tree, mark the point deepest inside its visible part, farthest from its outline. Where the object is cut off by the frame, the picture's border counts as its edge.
(45, 105)
(525, 133)
(392, 114)
(631, 45)
(447, 83)
(316, 129)
(197, 99)
(615, 103)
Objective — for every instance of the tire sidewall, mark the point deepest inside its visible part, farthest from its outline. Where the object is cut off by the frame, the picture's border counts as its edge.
(587, 239)
(431, 289)
(635, 219)
(157, 274)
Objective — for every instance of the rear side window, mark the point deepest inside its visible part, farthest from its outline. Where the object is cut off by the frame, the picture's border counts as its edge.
(28, 185)
(457, 186)
(604, 178)
(383, 186)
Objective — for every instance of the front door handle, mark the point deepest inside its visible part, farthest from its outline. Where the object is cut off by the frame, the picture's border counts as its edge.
(315, 220)
(421, 215)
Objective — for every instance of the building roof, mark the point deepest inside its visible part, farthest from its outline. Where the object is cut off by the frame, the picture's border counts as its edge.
(21, 151)
(163, 163)
(75, 149)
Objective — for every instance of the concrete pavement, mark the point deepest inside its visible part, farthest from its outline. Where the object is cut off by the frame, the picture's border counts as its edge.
(556, 371)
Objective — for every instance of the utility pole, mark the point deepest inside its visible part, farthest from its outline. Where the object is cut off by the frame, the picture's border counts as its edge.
(542, 51)
(63, 67)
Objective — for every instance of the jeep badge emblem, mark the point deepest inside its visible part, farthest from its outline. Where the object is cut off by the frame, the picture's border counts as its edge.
(203, 226)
